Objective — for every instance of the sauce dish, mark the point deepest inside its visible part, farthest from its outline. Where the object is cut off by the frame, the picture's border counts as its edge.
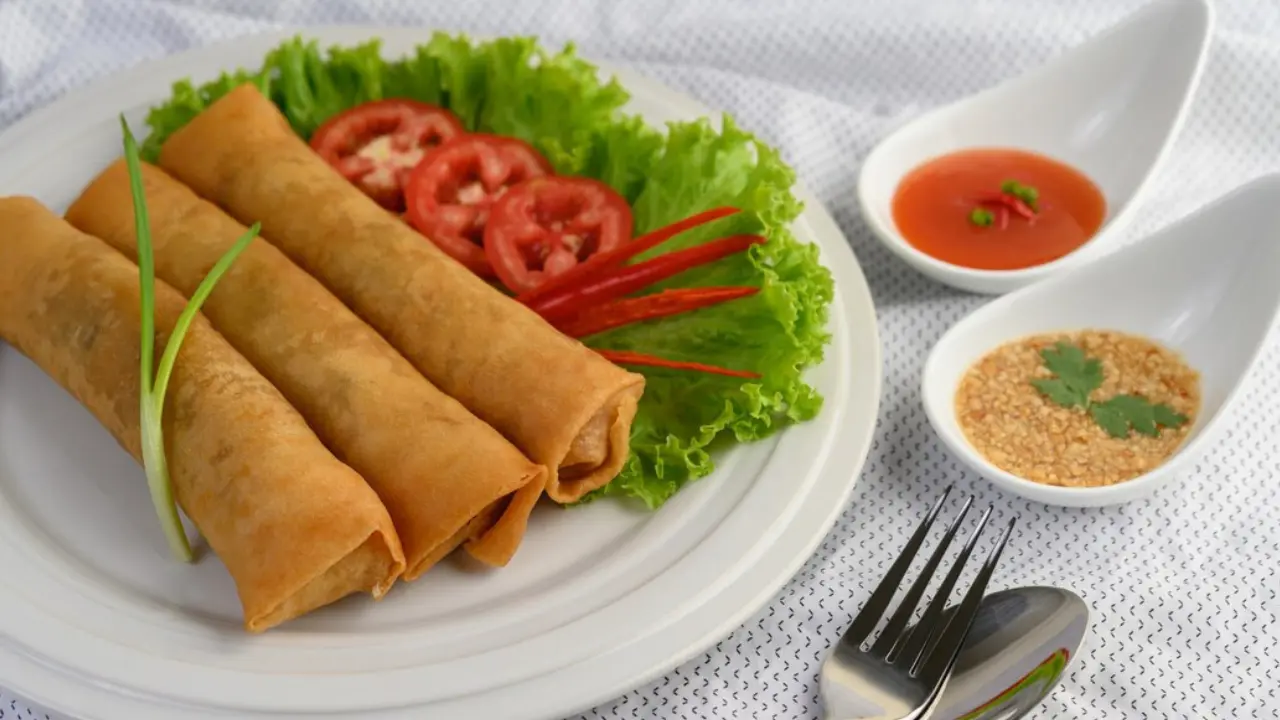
(1110, 107)
(1207, 287)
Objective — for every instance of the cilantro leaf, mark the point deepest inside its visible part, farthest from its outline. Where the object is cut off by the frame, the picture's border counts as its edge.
(1166, 416)
(1122, 412)
(1136, 411)
(1057, 390)
(1111, 419)
(1077, 375)
(1069, 362)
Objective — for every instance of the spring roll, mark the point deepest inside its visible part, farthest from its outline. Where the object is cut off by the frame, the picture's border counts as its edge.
(295, 527)
(555, 399)
(434, 464)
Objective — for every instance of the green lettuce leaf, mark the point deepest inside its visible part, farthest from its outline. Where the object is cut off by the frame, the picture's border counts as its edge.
(558, 103)
(188, 101)
(777, 333)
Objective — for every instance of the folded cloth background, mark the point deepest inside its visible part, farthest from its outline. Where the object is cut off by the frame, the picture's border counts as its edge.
(1184, 585)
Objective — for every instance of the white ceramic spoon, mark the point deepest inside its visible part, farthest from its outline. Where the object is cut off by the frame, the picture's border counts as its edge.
(1207, 286)
(1110, 108)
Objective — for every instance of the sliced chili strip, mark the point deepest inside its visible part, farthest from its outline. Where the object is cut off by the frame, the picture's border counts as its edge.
(1011, 202)
(625, 357)
(625, 311)
(1020, 207)
(622, 253)
(630, 278)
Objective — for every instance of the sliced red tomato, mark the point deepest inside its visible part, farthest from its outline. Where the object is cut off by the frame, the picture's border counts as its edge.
(375, 145)
(450, 194)
(547, 226)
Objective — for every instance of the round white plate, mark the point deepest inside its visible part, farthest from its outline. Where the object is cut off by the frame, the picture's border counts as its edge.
(97, 622)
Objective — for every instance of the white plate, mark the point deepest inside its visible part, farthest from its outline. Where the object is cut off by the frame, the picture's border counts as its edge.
(96, 621)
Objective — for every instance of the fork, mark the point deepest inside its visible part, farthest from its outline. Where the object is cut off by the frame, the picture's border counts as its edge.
(901, 674)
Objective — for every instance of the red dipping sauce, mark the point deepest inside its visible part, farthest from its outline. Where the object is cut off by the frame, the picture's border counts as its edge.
(934, 204)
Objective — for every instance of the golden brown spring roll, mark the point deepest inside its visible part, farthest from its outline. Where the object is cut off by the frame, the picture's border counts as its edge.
(434, 464)
(558, 401)
(296, 528)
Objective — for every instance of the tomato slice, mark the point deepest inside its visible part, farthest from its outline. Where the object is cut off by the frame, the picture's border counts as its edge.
(375, 145)
(546, 226)
(449, 195)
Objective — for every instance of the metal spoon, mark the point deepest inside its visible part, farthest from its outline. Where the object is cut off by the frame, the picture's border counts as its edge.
(1018, 649)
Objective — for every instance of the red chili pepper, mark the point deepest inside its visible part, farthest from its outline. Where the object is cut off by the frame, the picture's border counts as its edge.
(626, 357)
(630, 278)
(1011, 202)
(1020, 207)
(625, 311)
(1002, 215)
(620, 254)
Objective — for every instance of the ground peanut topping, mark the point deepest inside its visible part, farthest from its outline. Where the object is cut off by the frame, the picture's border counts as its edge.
(1027, 431)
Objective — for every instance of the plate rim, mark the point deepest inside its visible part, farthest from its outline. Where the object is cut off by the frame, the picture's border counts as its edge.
(852, 294)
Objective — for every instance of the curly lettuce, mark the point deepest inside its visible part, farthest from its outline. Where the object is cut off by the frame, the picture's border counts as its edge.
(558, 102)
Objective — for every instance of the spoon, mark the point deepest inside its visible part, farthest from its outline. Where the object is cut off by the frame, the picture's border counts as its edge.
(1019, 648)
(1110, 107)
(1207, 286)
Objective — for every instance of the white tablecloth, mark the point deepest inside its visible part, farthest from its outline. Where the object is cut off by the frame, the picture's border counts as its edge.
(1184, 585)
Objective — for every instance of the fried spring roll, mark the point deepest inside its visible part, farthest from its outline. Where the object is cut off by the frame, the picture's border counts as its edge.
(434, 464)
(296, 528)
(559, 402)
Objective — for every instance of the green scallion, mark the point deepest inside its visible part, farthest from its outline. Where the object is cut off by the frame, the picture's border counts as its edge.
(1025, 193)
(154, 387)
(982, 217)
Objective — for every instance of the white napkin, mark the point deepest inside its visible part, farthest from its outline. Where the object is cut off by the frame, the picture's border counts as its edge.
(1184, 585)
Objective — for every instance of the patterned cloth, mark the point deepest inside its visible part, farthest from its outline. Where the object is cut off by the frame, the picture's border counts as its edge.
(1183, 585)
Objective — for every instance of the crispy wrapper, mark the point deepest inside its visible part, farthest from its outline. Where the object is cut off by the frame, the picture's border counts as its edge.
(295, 527)
(555, 399)
(434, 464)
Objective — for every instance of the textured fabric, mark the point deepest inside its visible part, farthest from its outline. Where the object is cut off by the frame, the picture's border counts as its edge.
(1184, 585)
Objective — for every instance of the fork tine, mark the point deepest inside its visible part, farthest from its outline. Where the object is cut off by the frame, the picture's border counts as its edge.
(944, 654)
(867, 618)
(889, 637)
(914, 647)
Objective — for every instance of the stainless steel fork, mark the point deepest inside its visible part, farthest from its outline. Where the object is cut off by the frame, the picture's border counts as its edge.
(899, 676)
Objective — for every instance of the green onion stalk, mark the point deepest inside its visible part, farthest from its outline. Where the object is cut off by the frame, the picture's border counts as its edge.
(154, 386)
